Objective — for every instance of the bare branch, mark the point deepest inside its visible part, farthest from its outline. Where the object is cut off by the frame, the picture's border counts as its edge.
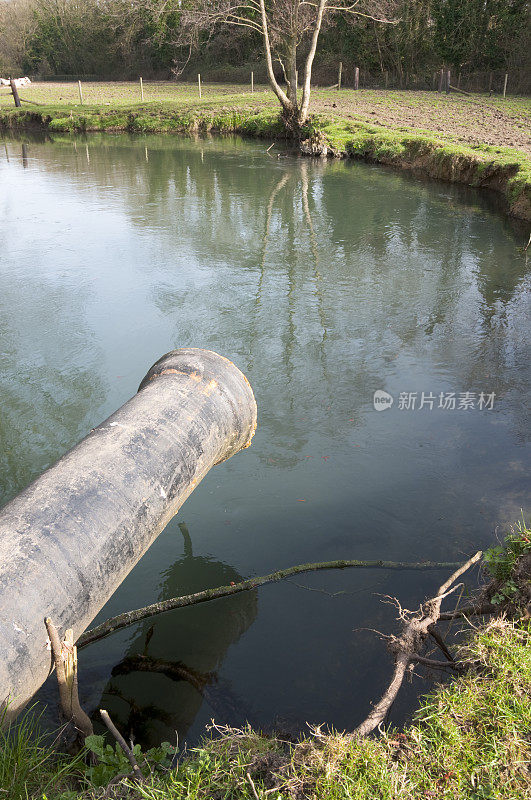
(406, 647)
(131, 617)
(111, 727)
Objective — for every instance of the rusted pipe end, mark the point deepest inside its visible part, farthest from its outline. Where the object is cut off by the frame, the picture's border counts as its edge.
(216, 374)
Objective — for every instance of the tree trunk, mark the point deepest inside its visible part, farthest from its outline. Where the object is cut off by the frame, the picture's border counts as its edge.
(283, 99)
(305, 103)
(292, 73)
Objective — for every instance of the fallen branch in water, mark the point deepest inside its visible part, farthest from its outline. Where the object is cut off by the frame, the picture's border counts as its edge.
(436, 636)
(131, 617)
(416, 629)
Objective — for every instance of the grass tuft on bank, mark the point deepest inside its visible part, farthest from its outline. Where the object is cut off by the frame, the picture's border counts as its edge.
(30, 765)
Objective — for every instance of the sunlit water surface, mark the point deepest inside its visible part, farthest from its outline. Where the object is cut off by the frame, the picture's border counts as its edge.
(323, 282)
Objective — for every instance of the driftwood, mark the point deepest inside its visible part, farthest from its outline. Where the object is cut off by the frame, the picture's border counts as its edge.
(417, 627)
(131, 617)
(65, 661)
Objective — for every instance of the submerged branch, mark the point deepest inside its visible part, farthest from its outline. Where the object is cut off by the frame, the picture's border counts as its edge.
(470, 611)
(131, 617)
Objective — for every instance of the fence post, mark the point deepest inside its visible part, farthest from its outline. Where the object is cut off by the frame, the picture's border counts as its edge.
(80, 92)
(441, 81)
(141, 90)
(199, 84)
(448, 81)
(339, 75)
(357, 78)
(505, 84)
(252, 82)
(14, 91)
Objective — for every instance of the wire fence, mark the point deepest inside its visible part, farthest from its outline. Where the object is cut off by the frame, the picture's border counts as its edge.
(486, 81)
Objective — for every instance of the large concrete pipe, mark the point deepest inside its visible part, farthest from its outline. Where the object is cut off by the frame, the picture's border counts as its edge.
(71, 537)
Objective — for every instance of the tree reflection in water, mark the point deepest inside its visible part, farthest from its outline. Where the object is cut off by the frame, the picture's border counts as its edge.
(170, 666)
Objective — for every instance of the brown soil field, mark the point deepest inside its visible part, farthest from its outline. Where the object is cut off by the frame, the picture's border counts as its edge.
(475, 120)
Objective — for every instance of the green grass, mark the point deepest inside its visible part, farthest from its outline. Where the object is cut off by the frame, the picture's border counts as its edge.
(30, 766)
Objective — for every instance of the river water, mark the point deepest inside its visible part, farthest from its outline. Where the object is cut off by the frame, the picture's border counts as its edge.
(324, 282)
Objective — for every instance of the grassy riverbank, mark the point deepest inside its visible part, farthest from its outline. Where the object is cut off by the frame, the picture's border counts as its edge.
(476, 141)
(469, 739)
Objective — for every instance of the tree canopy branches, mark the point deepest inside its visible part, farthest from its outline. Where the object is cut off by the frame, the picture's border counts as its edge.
(160, 38)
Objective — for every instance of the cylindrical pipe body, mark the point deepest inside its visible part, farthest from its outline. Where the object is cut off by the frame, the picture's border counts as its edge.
(71, 537)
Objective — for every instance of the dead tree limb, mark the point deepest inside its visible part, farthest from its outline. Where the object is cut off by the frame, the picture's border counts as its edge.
(131, 617)
(436, 636)
(469, 611)
(406, 647)
(429, 662)
(65, 661)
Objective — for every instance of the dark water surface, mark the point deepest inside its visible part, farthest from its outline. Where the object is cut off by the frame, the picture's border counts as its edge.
(324, 282)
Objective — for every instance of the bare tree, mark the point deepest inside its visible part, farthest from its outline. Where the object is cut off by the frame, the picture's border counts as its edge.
(285, 27)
